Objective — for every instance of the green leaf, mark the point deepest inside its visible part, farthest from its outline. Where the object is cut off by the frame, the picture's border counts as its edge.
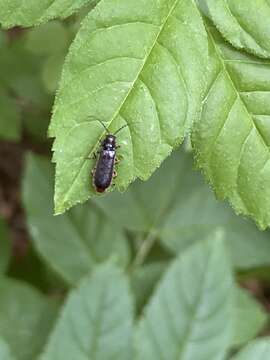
(139, 63)
(5, 246)
(5, 353)
(10, 124)
(232, 137)
(177, 206)
(47, 39)
(26, 318)
(51, 71)
(244, 23)
(249, 317)
(26, 13)
(96, 322)
(257, 350)
(20, 73)
(144, 280)
(189, 316)
(73, 243)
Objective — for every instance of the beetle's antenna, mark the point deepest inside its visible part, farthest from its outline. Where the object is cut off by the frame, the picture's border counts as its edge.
(121, 128)
(96, 119)
(105, 127)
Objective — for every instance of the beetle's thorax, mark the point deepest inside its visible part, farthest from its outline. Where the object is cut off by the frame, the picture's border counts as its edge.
(109, 142)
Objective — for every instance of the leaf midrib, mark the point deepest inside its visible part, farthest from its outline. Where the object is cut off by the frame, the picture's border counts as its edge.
(222, 61)
(183, 346)
(176, 2)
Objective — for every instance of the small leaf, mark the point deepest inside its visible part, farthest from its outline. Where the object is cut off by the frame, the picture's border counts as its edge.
(143, 281)
(20, 73)
(139, 63)
(189, 316)
(96, 322)
(73, 243)
(51, 71)
(181, 209)
(5, 246)
(244, 23)
(257, 350)
(48, 39)
(249, 317)
(232, 137)
(10, 124)
(5, 353)
(26, 318)
(25, 13)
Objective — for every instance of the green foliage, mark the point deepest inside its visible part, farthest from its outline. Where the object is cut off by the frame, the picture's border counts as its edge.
(185, 211)
(26, 318)
(5, 353)
(140, 61)
(244, 23)
(93, 316)
(39, 39)
(250, 318)
(5, 245)
(156, 272)
(16, 12)
(192, 304)
(10, 125)
(57, 239)
(259, 350)
(232, 136)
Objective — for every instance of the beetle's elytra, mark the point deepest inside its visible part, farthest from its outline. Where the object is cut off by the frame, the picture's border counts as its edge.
(104, 171)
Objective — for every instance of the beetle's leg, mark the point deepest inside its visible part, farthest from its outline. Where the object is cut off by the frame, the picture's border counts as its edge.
(114, 173)
(93, 156)
(93, 171)
(118, 158)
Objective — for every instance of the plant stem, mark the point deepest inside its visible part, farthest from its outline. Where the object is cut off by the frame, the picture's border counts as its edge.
(144, 249)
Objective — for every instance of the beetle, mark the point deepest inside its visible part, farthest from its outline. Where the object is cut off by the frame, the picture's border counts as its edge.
(104, 171)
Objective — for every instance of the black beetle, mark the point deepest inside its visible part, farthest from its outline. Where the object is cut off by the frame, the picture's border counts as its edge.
(104, 170)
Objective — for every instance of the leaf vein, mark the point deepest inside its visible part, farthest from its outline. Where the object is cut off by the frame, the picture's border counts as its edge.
(129, 92)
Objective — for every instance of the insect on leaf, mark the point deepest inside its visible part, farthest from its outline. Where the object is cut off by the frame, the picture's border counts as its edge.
(83, 231)
(138, 63)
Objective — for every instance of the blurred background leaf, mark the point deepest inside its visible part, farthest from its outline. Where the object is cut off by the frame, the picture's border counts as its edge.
(47, 39)
(192, 304)
(249, 317)
(257, 350)
(28, 14)
(10, 118)
(5, 246)
(72, 243)
(96, 321)
(177, 206)
(26, 318)
(5, 353)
